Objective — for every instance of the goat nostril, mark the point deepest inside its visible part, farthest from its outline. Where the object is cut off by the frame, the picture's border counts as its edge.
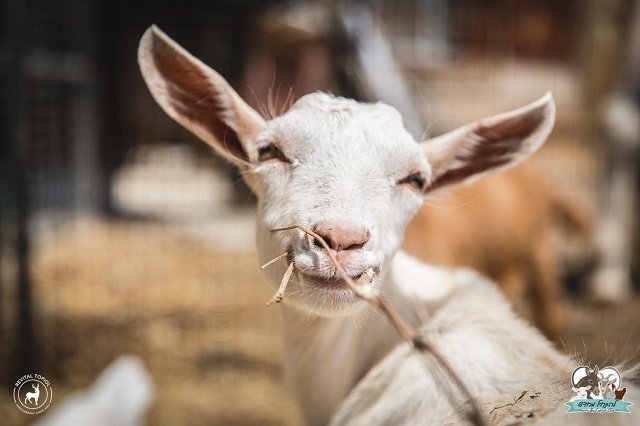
(354, 246)
(318, 244)
(315, 242)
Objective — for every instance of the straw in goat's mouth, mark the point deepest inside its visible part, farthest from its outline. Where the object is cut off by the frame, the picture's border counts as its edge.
(364, 280)
(277, 298)
(363, 291)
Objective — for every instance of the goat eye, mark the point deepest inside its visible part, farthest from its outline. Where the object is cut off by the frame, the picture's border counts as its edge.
(271, 152)
(416, 181)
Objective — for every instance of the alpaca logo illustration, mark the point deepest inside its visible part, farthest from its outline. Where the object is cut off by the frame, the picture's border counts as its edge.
(32, 394)
(597, 391)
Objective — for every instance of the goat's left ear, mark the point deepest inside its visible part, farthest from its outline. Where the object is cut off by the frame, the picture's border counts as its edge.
(490, 145)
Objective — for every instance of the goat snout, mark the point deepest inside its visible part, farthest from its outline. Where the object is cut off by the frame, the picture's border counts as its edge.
(341, 235)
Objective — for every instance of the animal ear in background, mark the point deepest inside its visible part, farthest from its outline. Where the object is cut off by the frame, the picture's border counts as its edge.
(198, 98)
(490, 145)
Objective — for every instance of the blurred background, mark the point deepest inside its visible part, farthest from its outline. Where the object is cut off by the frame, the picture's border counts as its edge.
(120, 233)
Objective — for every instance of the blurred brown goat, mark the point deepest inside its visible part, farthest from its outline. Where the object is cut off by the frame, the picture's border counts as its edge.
(505, 227)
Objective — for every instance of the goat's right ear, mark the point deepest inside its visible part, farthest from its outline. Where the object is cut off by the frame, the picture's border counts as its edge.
(198, 98)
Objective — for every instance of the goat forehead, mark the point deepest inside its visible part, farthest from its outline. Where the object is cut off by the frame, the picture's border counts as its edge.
(320, 127)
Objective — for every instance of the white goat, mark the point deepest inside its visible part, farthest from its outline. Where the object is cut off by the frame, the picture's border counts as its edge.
(352, 173)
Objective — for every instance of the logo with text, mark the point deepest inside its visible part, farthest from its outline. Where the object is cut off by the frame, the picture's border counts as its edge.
(32, 394)
(597, 391)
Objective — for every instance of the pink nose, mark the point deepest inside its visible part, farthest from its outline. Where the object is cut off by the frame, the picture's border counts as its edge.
(342, 235)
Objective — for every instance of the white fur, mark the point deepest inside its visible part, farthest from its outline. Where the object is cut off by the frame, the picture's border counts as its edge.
(340, 170)
(346, 161)
(493, 352)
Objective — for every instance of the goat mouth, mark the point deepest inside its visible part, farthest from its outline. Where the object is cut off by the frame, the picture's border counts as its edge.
(336, 283)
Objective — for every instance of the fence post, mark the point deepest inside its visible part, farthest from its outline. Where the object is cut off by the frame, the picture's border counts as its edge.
(17, 96)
